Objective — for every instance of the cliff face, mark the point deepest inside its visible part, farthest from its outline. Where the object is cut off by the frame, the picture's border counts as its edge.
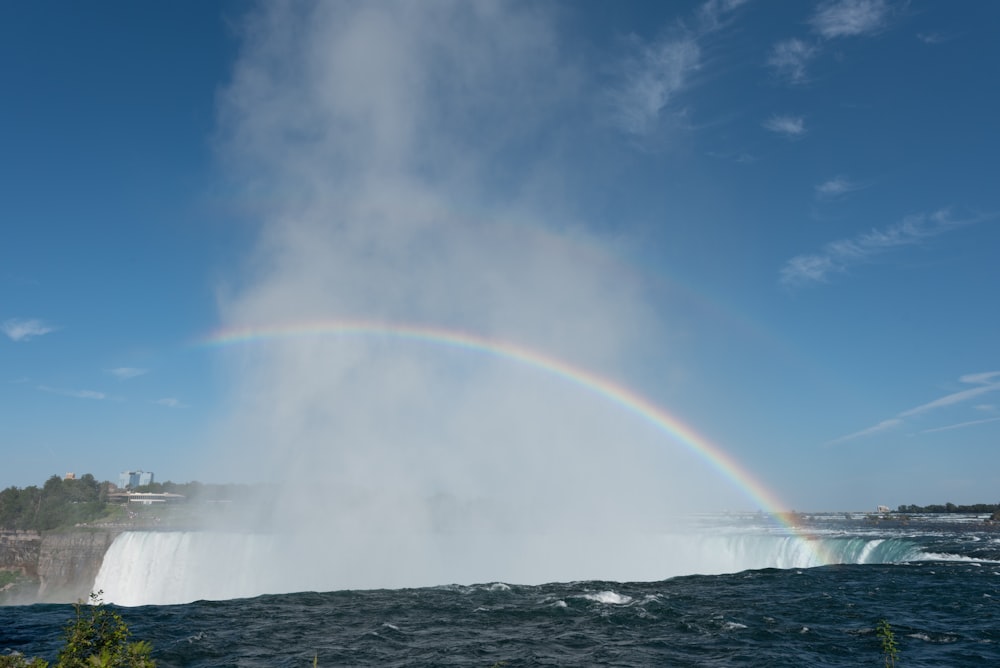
(68, 563)
(19, 567)
(19, 552)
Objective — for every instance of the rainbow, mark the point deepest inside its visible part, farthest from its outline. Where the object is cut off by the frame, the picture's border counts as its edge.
(614, 392)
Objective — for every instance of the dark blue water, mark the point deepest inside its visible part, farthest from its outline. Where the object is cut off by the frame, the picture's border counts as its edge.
(943, 612)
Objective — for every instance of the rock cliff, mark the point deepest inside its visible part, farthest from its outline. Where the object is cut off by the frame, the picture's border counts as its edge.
(58, 567)
(19, 552)
(68, 563)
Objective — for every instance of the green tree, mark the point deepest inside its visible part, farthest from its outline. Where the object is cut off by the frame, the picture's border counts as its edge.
(58, 503)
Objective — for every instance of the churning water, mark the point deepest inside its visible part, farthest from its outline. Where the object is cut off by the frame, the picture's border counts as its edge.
(937, 583)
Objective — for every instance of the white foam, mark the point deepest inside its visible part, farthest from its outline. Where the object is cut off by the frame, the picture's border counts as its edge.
(609, 597)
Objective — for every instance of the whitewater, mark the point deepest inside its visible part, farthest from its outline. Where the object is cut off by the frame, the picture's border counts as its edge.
(755, 598)
(170, 567)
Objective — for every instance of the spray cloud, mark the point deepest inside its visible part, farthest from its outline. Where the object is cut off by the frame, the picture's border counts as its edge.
(404, 161)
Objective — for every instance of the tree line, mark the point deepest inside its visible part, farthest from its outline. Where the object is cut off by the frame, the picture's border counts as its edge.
(976, 508)
(55, 504)
(61, 503)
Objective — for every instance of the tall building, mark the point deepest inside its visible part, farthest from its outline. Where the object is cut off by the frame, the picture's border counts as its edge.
(133, 479)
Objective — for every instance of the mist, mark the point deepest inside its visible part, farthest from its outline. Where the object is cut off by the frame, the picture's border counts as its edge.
(402, 164)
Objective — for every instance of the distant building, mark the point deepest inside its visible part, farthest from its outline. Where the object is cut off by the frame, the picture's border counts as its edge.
(149, 499)
(133, 479)
(69, 476)
(145, 498)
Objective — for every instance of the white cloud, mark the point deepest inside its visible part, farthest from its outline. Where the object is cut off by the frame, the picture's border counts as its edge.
(806, 268)
(651, 80)
(837, 186)
(839, 256)
(127, 372)
(654, 73)
(932, 38)
(20, 329)
(833, 19)
(960, 425)
(985, 382)
(170, 402)
(884, 425)
(986, 377)
(79, 394)
(741, 158)
(789, 126)
(848, 18)
(789, 58)
(712, 13)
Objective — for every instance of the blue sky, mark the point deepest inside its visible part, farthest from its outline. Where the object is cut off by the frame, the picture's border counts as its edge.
(780, 223)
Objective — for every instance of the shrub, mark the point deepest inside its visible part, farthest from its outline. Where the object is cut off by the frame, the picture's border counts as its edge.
(20, 661)
(99, 638)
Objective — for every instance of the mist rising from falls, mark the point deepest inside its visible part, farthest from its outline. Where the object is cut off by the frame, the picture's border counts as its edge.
(179, 567)
(404, 163)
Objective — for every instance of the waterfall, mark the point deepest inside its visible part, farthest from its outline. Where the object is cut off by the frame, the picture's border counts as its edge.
(179, 567)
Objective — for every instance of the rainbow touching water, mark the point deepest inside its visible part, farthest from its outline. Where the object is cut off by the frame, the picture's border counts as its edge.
(618, 394)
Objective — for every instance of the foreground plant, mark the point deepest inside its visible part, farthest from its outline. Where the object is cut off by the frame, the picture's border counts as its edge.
(20, 661)
(890, 651)
(97, 638)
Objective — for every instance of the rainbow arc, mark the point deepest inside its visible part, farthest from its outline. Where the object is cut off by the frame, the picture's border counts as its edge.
(614, 392)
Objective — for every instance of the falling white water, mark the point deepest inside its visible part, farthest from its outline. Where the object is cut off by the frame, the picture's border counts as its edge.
(180, 567)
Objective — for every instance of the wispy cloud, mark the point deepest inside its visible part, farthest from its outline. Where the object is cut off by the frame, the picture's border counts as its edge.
(655, 72)
(79, 394)
(836, 187)
(848, 18)
(884, 425)
(788, 59)
(789, 126)
(839, 256)
(932, 37)
(833, 19)
(170, 402)
(982, 382)
(713, 13)
(960, 425)
(127, 372)
(742, 157)
(24, 329)
(651, 80)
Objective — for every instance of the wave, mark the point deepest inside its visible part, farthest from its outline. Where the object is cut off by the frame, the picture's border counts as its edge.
(609, 598)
